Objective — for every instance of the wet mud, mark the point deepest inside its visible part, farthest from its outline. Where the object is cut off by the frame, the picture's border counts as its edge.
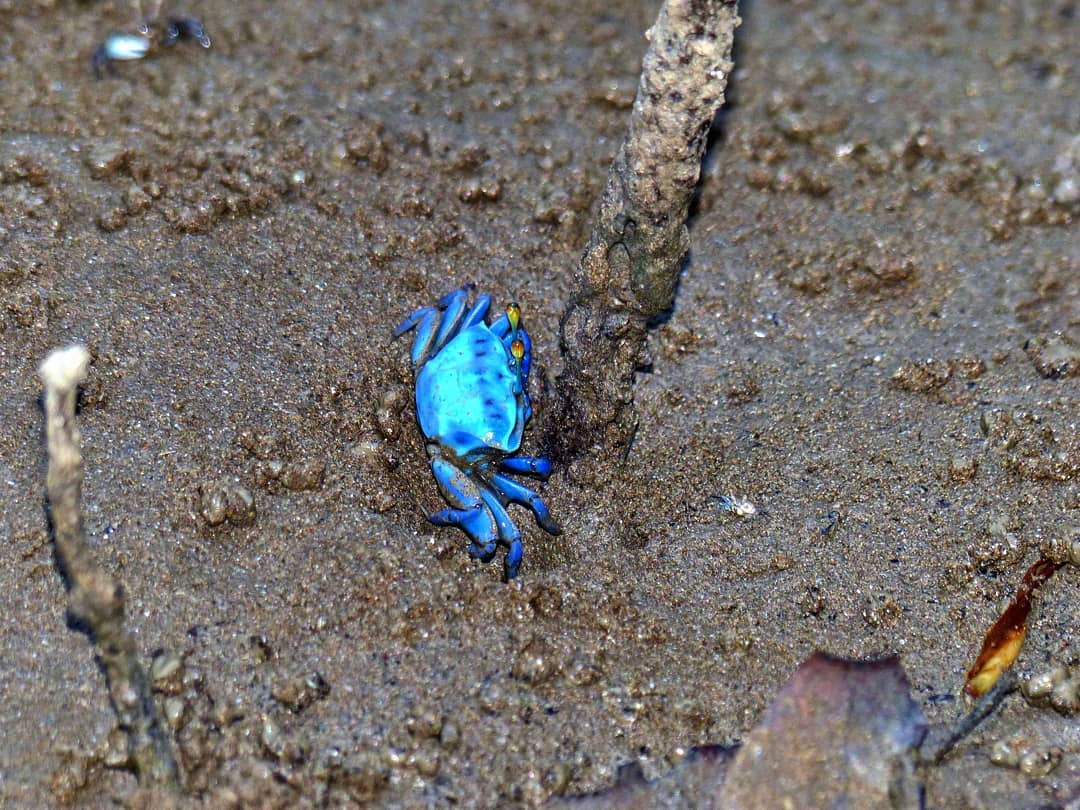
(874, 343)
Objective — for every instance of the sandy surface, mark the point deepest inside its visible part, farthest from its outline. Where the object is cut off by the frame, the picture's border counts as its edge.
(234, 233)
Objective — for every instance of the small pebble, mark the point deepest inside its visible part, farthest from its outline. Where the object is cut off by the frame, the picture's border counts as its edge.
(583, 671)
(383, 502)
(175, 708)
(425, 760)
(300, 691)
(424, 723)
(106, 160)
(921, 376)
(117, 749)
(1054, 356)
(112, 220)
(388, 414)
(480, 191)
(303, 475)
(226, 502)
(1039, 762)
(1063, 548)
(167, 673)
(261, 444)
(449, 735)
(962, 469)
(535, 664)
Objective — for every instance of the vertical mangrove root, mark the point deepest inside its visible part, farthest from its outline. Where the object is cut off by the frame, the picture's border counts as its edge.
(630, 267)
(96, 598)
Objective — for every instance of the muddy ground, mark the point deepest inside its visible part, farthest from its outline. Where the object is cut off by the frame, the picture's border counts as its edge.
(866, 345)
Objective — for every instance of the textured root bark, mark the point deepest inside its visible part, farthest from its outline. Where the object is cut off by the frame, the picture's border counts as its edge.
(630, 268)
(95, 597)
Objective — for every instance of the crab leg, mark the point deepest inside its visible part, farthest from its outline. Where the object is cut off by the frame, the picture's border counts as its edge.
(425, 333)
(477, 313)
(453, 306)
(526, 465)
(469, 512)
(509, 534)
(518, 493)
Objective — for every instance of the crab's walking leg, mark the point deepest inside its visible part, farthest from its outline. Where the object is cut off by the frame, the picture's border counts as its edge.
(513, 560)
(453, 306)
(526, 465)
(477, 313)
(425, 333)
(469, 512)
(518, 493)
(509, 534)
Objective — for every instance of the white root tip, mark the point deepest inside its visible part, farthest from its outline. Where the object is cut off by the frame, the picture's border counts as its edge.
(64, 369)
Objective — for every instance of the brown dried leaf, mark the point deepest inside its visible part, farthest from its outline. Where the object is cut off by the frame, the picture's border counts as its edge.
(839, 733)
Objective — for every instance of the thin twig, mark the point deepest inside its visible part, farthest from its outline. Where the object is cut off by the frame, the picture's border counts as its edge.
(95, 598)
(942, 740)
(630, 268)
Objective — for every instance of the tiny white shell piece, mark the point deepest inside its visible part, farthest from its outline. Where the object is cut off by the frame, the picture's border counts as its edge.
(741, 507)
(126, 47)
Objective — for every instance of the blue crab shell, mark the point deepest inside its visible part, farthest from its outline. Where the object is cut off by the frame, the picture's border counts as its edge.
(472, 406)
(469, 398)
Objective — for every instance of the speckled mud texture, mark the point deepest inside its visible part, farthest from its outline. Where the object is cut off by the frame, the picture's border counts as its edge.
(874, 342)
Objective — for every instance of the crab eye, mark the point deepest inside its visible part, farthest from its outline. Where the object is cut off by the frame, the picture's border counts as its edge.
(513, 314)
(517, 348)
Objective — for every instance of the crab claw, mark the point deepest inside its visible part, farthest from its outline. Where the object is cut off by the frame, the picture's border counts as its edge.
(514, 492)
(468, 511)
(509, 534)
(513, 559)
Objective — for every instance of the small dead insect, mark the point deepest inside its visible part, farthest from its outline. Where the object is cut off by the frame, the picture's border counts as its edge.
(152, 36)
(180, 28)
(119, 48)
(740, 507)
(832, 520)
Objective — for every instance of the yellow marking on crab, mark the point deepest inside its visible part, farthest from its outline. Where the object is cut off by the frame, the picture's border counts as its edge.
(513, 314)
(517, 348)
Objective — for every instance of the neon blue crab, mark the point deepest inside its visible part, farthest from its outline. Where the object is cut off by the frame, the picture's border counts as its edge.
(472, 406)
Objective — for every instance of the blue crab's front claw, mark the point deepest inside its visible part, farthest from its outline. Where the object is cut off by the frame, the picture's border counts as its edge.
(511, 490)
(513, 560)
(469, 511)
(509, 534)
